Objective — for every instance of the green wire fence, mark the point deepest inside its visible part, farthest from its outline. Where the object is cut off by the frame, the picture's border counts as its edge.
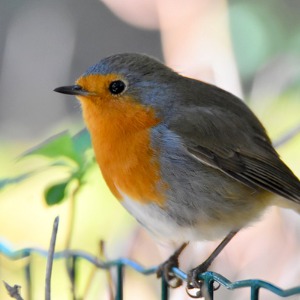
(209, 278)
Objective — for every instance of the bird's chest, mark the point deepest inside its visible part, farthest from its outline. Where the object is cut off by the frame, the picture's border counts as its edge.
(129, 165)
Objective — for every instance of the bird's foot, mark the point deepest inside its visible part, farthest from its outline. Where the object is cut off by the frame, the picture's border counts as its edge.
(195, 287)
(193, 282)
(165, 270)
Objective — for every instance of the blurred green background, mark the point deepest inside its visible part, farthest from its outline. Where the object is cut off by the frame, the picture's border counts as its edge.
(45, 44)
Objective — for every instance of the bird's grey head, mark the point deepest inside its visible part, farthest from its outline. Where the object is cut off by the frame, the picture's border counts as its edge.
(149, 81)
(127, 64)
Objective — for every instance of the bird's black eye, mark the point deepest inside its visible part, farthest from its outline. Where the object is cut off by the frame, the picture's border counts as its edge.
(117, 87)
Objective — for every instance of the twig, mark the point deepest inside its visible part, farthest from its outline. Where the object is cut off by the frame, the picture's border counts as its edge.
(108, 271)
(70, 229)
(13, 291)
(287, 136)
(72, 210)
(50, 260)
(96, 266)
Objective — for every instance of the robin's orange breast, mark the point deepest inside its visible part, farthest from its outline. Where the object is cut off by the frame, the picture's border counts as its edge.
(120, 131)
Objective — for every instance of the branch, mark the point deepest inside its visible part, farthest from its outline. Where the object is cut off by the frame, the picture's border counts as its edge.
(287, 136)
(50, 260)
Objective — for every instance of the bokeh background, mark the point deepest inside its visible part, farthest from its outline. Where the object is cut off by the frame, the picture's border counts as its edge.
(251, 48)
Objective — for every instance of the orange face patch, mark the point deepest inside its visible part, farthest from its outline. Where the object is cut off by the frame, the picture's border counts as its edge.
(120, 130)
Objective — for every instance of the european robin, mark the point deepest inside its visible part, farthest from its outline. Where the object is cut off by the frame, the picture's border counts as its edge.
(187, 159)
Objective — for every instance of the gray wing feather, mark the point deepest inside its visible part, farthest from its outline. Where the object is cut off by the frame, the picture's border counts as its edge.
(235, 142)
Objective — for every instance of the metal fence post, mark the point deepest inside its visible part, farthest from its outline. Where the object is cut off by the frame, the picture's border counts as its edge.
(119, 288)
(164, 289)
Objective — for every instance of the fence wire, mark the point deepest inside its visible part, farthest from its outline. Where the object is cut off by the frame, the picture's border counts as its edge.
(209, 278)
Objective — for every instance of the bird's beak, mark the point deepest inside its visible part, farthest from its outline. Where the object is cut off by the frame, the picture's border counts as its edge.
(76, 90)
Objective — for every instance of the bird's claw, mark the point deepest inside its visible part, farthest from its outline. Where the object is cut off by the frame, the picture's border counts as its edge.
(200, 291)
(195, 292)
(165, 270)
(195, 287)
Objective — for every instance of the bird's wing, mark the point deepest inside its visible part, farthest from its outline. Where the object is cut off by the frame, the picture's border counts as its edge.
(236, 143)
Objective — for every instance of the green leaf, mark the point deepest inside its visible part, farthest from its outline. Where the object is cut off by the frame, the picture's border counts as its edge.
(56, 146)
(82, 141)
(55, 194)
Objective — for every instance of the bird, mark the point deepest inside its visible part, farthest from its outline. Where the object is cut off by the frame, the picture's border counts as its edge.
(189, 160)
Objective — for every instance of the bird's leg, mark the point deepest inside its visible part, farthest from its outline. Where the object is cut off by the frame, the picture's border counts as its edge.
(165, 269)
(192, 278)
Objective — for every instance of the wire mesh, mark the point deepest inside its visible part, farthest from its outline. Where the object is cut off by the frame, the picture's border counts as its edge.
(209, 278)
